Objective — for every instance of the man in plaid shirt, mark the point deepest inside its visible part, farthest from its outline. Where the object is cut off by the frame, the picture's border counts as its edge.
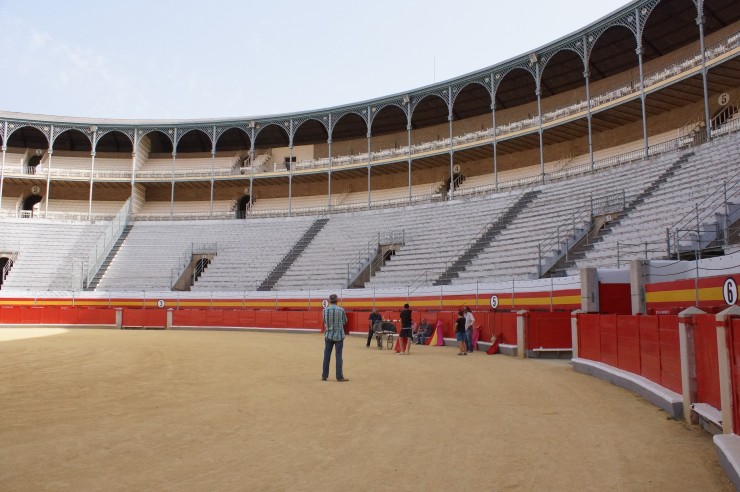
(334, 320)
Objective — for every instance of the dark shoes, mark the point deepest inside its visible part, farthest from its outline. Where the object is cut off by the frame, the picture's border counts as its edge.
(323, 379)
(342, 380)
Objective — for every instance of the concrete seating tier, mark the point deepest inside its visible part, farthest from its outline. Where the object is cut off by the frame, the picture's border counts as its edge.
(46, 252)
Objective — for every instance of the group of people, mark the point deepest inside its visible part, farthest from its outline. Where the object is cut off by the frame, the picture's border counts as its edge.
(335, 318)
(419, 333)
(464, 330)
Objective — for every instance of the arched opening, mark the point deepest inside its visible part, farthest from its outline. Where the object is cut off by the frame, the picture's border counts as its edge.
(272, 142)
(234, 142)
(5, 265)
(115, 142)
(471, 114)
(34, 161)
(26, 143)
(73, 141)
(516, 111)
(429, 120)
(309, 137)
(242, 207)
(31, 203)
(613, 68)
(563, 93)
(388, 128)
(349, 137)
(388, 138)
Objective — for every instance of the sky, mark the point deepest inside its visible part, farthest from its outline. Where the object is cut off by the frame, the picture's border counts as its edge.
(185, 59)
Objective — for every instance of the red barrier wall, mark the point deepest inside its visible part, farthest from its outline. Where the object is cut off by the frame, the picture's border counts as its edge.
(144, 318)
(235, 318)
(504, 324)
(735, 370)
(644, 345)
(707, 362)
(50, 315)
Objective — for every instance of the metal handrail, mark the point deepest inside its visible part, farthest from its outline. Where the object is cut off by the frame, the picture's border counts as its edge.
(105, 242)
(370, 250)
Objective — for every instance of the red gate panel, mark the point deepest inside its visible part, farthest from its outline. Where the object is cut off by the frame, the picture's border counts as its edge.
(707, 362)
(735, 369)
(144, 318)
(548, 330)
(670, 353)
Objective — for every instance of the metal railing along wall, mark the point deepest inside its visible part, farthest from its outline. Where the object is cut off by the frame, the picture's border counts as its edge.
(104, 244)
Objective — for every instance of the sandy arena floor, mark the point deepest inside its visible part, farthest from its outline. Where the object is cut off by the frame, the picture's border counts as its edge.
(169, 410)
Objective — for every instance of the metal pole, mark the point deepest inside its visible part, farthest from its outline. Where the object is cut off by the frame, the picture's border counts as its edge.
(328, 143)
(369, 165)
(329, 180)
(213, 166)
(539, 260)
(48, 183)
(617, 254)
(290, 171)
(698, 231)
(133, 165)
(452, 152)
(495, 163)
(586, 75)
(174, 158)
(408, 130)
(92, 181)
(48, 170)
(696, 279)
(726, 231)
(539, 120)
(92, 170)
(2, 165)
(251, 172)
(642, 80)
(700, 21)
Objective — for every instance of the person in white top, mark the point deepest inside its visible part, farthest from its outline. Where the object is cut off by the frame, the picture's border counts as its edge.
(469, 323)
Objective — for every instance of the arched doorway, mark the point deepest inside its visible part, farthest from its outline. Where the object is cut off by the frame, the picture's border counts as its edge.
(242, 206)
(33, 162)
(5, 265)
(31, 203)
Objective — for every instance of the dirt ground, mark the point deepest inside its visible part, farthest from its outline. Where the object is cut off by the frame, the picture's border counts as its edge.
(173, 410)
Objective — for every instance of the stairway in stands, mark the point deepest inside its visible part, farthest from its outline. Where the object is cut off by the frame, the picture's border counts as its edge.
(113, 252)
(580, 250)
(298, 248)
(486, 237)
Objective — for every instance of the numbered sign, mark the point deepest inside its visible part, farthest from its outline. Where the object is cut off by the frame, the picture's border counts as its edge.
(324, 304)
(729, 291)
(494, 302)
(723, 99)
(160, 303)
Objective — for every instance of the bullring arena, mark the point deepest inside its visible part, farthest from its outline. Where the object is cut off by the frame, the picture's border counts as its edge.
(162, 282)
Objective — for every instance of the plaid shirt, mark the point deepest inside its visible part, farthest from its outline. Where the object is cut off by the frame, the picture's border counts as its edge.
(334, 320)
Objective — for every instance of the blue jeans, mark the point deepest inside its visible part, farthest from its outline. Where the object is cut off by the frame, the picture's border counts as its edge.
(469, 339)
(328, 345)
